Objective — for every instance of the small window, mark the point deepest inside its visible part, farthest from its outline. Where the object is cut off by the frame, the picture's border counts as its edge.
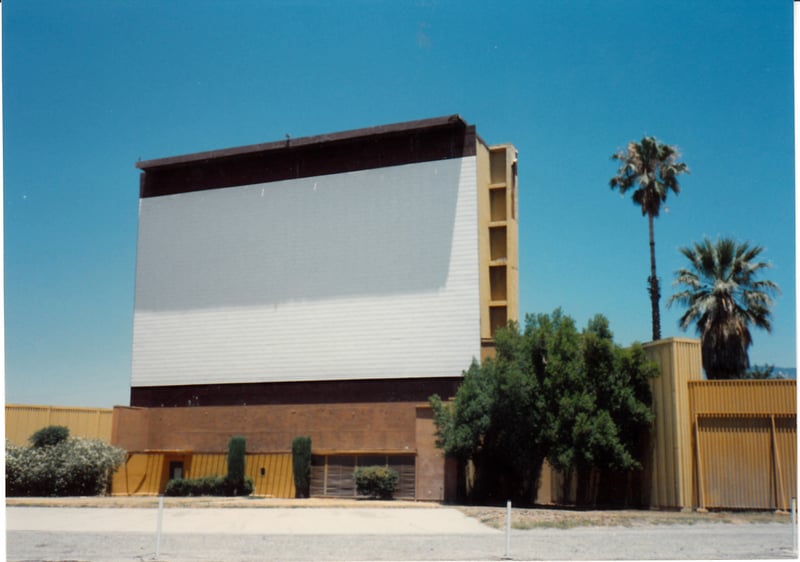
(175, 470)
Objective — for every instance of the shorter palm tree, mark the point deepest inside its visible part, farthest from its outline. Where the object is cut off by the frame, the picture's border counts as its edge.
(723, 298)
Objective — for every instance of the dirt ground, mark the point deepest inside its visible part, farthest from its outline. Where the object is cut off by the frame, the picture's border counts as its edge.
(353, 531)
(521, 518)
(209, 501)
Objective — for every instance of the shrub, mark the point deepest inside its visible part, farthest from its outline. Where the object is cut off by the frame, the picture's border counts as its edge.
(22, 471)
(50, 435)
(376, 481)
(180, 487)
(74, 467)
(234, 484)
(236, 461)
(208, 486)
(243, 487)
(301, 466)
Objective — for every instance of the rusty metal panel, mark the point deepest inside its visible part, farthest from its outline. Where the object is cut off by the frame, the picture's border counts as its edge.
(22, 421)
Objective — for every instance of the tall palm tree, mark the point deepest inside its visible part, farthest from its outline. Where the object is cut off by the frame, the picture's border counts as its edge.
(723, 297)
(652, 168)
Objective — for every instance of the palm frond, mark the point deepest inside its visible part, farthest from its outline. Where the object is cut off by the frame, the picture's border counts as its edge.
(723, 298)
(653, 168)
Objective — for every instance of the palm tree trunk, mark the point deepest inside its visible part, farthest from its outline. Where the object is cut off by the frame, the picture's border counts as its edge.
(653, 289)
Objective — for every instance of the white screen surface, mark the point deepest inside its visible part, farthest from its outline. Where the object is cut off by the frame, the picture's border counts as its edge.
(360, 275)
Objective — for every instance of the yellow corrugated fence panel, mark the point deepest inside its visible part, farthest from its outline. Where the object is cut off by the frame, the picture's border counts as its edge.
(736, 459)
(139, 476)
(786, 439)
(22, 421)
(747, 461)
(678, 360)
(747, 442)
(271, 474)
(744, 396)
(207, 464)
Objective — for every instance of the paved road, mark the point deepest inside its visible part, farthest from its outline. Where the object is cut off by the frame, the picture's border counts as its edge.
(302, 534)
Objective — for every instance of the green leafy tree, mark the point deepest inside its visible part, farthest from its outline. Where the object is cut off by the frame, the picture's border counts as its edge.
(463, 425)
(555, 352)
(604, 408)
(651, 169)
(488, 425)
(515, 452)
(724, 297)
(551, 392)
(762, 372)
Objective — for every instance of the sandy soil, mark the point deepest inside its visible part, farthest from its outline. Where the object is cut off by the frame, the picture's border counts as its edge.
(522, 518)
(570, 518)
(245, 535)
(208, 501)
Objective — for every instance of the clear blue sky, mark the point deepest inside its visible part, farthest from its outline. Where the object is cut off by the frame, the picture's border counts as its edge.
(91, 86)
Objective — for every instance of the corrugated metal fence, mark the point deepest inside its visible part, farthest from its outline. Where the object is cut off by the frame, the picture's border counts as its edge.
(728, 444)
(744, 443)
(668, 474)
(24, 421)
(146, 473)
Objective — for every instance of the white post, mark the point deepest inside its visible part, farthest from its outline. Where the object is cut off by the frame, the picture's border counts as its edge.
(794, 526)
(508, 530)
(158, 528)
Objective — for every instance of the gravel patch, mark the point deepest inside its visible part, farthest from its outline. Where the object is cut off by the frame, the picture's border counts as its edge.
(522, 518)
